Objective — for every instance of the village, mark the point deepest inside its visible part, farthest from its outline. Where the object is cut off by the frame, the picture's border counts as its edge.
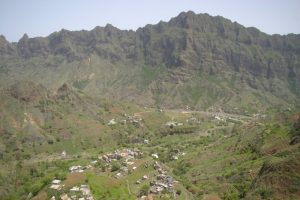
(120, 163)
(158, 183)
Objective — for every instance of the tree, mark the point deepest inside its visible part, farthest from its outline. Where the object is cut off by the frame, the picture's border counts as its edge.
(115, 166)
(295, 132)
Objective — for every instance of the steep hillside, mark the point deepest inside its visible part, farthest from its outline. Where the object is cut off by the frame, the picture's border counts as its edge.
(35, 121)
(194, 59)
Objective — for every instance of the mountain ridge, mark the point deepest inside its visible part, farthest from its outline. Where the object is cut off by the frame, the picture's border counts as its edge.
(184, 20)
(211, 56)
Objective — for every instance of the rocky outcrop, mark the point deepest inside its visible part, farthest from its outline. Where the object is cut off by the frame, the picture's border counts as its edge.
(6, 48)
(28, 91)
(185, 48)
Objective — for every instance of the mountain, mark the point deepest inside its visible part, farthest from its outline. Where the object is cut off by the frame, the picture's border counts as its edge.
(210, 107)
(194, 59)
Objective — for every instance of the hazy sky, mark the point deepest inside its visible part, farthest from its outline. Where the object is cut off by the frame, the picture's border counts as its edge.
(42, 17)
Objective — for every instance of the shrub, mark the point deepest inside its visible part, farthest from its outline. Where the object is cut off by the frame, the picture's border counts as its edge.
(35, 188)
(144, 190)
(50, 142)
(265, 193)
(231, 194)
(115, 166)
(181, 168)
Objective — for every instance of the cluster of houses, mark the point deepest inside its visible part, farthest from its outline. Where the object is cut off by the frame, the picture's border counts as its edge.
(81, 192)
(176, 156)
(192, 120)
(126, 156)
(162, 182)
(259, 116)
(76, 168)
(219, 118)
(173, 124)
(135, 120)
(79, 168)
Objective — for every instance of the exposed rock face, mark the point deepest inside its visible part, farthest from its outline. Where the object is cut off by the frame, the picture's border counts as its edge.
(66, 93)
(6, 47)
(28, 91)
(191, 52)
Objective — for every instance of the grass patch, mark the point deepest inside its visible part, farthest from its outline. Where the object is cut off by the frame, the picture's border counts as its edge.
(105, 187)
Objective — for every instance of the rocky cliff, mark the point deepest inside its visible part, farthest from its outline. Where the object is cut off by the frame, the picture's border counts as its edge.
(194, 59)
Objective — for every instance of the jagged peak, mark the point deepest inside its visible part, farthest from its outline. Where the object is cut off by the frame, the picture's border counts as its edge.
(64, 32)
(24, 37)
(110, 27)
(2, 38)
(187, 14)
(27, 91)
(97, 28)
(64, 88)
(66, 92)
(185, 19)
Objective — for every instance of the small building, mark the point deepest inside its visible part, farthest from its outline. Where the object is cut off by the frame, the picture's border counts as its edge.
(174, 158)
(154, 155)
(173, 124)
(75, 189)
(118, 175)
(56, 184)
(75, 168)
(94, 162)
(63, 153)
(112, 122)
(56, 181)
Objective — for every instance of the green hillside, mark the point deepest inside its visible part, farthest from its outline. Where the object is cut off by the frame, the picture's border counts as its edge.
(198, 107)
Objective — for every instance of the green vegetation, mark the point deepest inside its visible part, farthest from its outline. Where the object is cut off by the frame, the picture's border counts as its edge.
(214, 104)
(230, 158)
(107, 188)
(115, 166)
(80, 84)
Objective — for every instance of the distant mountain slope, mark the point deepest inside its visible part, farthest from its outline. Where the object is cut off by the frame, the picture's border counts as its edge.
(194, 59)
(33, 120)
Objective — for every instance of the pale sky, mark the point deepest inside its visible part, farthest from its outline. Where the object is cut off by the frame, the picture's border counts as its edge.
(42, 17)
